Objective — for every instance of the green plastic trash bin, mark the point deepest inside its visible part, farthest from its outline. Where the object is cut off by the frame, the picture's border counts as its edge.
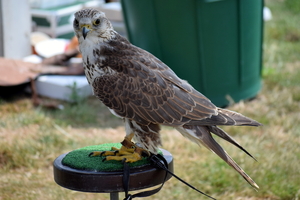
(216, 45)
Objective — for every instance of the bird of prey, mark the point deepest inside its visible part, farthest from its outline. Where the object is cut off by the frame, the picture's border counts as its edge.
(146, 93)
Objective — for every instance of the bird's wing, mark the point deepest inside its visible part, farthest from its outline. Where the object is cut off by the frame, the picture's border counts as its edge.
(147, 91)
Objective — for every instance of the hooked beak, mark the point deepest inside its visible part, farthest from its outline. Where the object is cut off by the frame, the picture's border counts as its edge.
(85, 31)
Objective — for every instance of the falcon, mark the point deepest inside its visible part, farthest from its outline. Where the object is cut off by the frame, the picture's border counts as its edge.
(146, 93)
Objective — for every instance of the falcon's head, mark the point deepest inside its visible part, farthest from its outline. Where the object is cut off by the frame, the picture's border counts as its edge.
(93, 25)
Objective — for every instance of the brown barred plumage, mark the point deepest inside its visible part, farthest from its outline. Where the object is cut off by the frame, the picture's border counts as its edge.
(138, 87)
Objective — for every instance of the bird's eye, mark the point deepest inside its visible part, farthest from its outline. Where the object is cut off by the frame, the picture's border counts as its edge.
(96, 22)
(76, 23)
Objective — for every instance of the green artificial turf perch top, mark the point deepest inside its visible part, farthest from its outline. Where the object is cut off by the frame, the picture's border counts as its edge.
(80, 159)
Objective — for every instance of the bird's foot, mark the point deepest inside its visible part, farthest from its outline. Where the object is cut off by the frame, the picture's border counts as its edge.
(129, 152)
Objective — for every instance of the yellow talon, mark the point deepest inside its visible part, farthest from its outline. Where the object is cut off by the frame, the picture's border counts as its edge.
(130, 151)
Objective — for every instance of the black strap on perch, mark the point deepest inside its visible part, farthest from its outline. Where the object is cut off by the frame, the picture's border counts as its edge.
(160, 162)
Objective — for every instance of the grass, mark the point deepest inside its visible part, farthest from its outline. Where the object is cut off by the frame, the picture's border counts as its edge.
(31, 138)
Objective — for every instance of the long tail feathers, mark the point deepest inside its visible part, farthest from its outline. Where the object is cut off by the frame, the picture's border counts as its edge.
(222, 134)
(202, 135)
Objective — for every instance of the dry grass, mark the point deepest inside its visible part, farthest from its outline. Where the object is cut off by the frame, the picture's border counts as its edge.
(31, 138)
